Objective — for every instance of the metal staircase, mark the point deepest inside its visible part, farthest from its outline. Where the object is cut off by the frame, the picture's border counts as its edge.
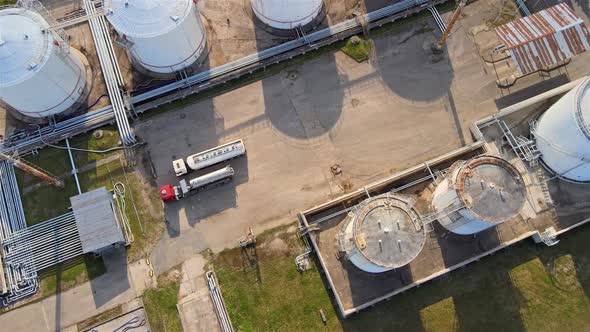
(524, 148)
(548, 237)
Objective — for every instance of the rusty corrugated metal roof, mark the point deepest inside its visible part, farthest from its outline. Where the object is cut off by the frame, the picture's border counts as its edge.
(545, 38)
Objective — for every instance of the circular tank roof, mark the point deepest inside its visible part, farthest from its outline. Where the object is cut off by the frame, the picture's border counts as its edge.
(24, 48)
(286, 11)
(147, 18)
(491, 188)
(386, 233)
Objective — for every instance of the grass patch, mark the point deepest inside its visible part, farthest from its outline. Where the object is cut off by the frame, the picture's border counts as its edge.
(7, 2)
(67, 275)
(273, 295)
(160, 303)
(525, 288)
(358, 48)
(57, 161)
(146, 223)
(48, 202)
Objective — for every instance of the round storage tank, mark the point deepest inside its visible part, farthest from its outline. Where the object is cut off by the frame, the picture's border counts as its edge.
(162, 36)
(288, 14)
(383, 234)
(39, 78)
(562, 135)
(478, 194)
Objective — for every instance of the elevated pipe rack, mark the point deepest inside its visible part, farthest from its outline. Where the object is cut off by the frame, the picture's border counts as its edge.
(110, 70)
(210, 78)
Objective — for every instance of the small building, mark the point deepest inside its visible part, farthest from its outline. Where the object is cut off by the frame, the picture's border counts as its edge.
(99, 220)
(545, 39)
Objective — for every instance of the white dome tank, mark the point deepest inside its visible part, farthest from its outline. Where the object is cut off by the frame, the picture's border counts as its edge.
(562, 135)
(287, 14)
(478, 194)
(383, 234)
(162, 36)
(38, 78)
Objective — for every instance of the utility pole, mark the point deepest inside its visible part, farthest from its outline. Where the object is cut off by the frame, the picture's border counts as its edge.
(450, 25)
(34, 171)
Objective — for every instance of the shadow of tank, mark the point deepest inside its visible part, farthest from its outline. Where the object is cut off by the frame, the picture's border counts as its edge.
(304, 101)
(409, 68)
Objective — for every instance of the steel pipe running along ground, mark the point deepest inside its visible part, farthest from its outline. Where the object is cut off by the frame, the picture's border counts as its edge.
(22, 275)
(49, 243)
(11, 210)
(110, 69)
(105, 115)
(218, 303)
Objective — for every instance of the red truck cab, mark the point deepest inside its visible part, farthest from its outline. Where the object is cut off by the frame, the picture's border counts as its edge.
(167, 194)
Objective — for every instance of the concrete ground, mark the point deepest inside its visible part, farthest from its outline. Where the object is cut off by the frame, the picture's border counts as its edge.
(398, 109)
(194, 302)
(54, 313)
(372, 118)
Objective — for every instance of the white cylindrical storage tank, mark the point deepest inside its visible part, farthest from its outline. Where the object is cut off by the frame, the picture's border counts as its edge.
(162, 36)
(562, 135)
(39, 78)
(383, 234)
(288, 14)
(478, 194)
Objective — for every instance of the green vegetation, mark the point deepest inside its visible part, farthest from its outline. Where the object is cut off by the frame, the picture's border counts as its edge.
(7, 2)
(160, 303)
(358, 48)
(69, 274)
(272, 295)
(46, 202)
(527, 287)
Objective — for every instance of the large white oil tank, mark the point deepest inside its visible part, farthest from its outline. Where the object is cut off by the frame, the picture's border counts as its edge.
(288, 14)
(162, 36)
(478, 194)
(384, 233)
(39, 78)
(562, 135)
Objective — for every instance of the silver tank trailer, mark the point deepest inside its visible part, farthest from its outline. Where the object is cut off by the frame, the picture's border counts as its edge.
(204, 180)
(209, 157)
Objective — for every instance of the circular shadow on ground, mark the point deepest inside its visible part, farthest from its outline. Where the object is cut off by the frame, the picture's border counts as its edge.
(305, 101)
(408, 68)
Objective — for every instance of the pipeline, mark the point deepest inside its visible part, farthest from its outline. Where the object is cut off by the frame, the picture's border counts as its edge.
(21, 276)
(105, 115)
(112, 75)
(218, 303)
